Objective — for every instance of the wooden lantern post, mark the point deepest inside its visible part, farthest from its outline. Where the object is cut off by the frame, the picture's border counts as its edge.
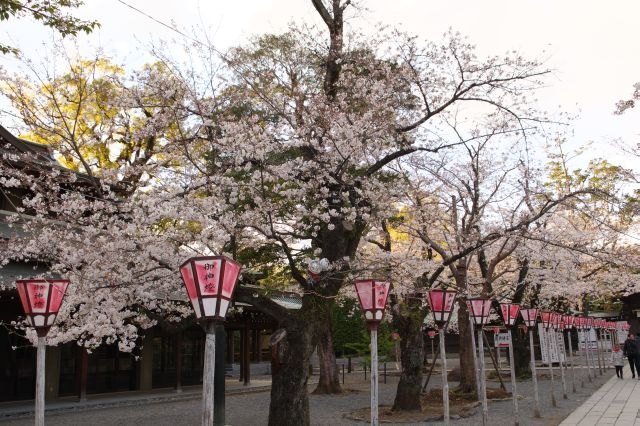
(569, 320)
(373, 296)
(210, 283)
(441, 303)
(509, 316)
(547, 322)
(530, 318)
(41, 300)
(558, 326)
(479, 311)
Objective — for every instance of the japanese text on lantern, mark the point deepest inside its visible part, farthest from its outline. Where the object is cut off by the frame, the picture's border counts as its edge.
(38, 297)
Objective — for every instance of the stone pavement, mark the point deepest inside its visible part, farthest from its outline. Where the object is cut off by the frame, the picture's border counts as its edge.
(617, 402)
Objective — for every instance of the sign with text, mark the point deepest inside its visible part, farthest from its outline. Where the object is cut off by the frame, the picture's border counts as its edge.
(554, 350)
(502, 340)
(587, 337)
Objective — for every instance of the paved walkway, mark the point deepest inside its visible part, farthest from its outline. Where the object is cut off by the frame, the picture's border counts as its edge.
(617, 402)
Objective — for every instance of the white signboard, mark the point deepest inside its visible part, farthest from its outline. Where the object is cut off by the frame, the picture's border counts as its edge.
(502, 340)
(587, 336)
(556, 345)
(622, 334)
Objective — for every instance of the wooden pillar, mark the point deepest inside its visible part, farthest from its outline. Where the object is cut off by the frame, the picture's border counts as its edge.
(178, 355)
(230, 347)
(52, 372)
(254, 345)
(219, 377)
(83, 372)
(259, 345)
(146, 364)
(242, 349)
(247, 362)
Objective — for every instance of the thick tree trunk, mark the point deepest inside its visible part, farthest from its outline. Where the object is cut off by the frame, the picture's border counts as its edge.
(521, 354)
(329, 382)
(411, 357)
(289, 397)
(467, 366)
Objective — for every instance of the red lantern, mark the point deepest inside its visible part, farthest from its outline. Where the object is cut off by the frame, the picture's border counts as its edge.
(479, 310)
(372, 295)
(441, 303)
(41, 300)
(509, 313)
(547, 319)
(529, 316)
(431, 334)
(210, 282)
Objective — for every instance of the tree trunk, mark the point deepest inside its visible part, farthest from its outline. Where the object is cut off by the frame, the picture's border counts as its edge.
(467, 366)
(521, 354)
(411, 358)
(329, 382)
(289, 397)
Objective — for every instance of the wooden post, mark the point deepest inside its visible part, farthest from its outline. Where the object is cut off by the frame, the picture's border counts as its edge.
(247, 363)
(231, 347)
(483, 385)
(534, 377)
(600, 344)
(374, 375)
(495, 365)
(259, 345)
(549, 360)
(445, 381)
(343, 374)
(598, 350)
(242, 349)
(514, 392)
(178, 355)
(581, 355)
(40, 366)
(573, 371)
(433, 364)
(560, 363)
(586, 333)
(84, 373)
(208, 374)
(475, 359)
(433, 356)
(218, 377)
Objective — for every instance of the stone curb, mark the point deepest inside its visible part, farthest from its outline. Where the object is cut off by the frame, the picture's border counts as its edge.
(127, 402)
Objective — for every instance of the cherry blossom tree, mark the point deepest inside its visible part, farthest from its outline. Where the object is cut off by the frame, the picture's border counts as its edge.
(289, 146)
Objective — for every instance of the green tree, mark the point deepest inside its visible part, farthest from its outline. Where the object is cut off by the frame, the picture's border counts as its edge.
(52, 13)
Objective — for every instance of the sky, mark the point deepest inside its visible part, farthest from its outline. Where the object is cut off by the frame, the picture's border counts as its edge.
(591, 46)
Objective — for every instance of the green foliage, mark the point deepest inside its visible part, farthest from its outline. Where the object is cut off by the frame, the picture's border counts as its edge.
(350, 334)
(52, 13)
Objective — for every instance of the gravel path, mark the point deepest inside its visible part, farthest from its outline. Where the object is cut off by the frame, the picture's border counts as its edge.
(253, 408)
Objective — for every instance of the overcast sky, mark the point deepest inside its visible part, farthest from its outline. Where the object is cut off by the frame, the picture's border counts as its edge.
(591, 45)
